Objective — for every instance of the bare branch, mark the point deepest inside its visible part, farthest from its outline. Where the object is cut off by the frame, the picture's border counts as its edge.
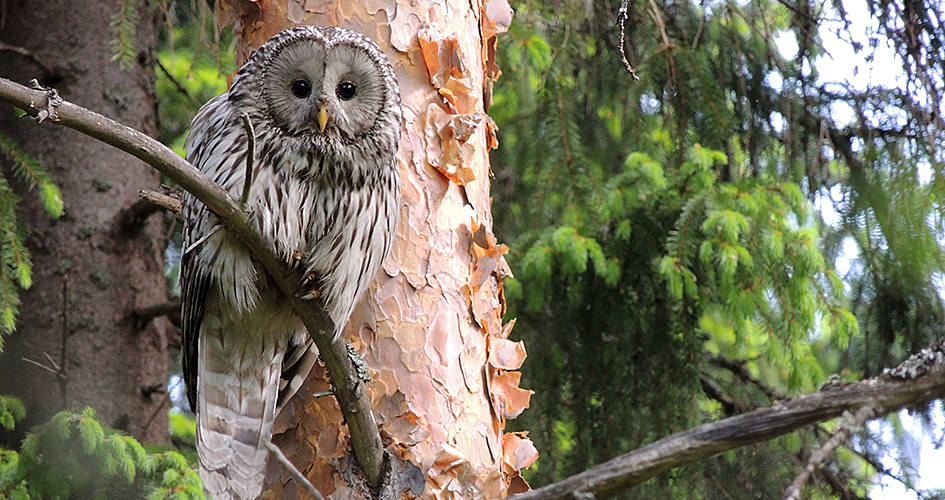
(29, 55)
(848, 428)
(351, 393)
(171, 309)
(63, 346)
(621, 18)
(40, 365)
(170, 203)
(294, 471)
(920, 379)
(180, 87)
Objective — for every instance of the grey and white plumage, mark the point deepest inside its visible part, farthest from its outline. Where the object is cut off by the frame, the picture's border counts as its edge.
(326, 196)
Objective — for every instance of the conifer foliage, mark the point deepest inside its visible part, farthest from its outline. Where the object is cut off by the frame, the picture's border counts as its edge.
(15, 265)
(75, 456)
(673, 261)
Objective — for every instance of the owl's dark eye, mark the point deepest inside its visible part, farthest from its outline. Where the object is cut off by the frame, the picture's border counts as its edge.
(301, 89)
(346, 90)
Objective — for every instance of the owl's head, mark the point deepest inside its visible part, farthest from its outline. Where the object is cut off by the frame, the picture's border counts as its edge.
(328, 82)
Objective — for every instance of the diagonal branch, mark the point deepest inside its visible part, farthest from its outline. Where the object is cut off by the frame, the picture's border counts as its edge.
(918, 380)
(350, 391)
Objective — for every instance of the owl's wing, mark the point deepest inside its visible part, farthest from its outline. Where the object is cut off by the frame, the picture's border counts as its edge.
(194, 283)
(199, 222)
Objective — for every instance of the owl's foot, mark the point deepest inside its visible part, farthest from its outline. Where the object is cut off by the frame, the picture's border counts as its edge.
(308, 288)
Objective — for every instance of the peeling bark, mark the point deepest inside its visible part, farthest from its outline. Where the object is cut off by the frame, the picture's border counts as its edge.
(430, 329)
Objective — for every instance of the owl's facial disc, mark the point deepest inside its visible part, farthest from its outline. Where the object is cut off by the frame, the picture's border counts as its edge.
(318, 88)
(292, 85)
(353, 90)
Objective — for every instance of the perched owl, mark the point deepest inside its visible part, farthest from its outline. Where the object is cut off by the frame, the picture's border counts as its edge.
(325, 107)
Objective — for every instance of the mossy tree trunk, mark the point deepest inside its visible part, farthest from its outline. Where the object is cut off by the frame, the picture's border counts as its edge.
(103, 259)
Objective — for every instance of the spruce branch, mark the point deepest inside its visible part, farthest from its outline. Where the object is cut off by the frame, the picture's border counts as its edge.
(125, 27)
(15, 264)
(351, 393)
(33, 173)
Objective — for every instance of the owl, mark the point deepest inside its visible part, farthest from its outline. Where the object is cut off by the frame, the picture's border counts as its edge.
(325, 110)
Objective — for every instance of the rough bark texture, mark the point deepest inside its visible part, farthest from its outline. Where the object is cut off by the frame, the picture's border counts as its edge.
(430, 329)
(113, 263)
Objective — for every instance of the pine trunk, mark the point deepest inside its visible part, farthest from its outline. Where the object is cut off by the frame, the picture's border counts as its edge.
(431, 327)
(100, 262)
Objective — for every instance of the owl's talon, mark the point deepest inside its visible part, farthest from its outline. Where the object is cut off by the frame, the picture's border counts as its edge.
(308, 289)
(310, 295)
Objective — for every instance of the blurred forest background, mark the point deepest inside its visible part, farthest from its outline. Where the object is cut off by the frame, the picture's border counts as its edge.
(730, 229)
(733, 228)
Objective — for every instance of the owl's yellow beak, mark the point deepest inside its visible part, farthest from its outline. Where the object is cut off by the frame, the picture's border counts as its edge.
(322, 117)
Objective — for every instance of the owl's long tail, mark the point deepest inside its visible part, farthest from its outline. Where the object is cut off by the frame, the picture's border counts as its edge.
(239, 381)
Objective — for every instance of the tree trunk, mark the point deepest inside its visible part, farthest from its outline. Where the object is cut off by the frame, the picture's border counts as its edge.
(431, 327)
(103, 259)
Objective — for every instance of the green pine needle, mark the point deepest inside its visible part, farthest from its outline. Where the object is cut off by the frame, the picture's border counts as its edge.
(76, 456)
(32, 173)
(11, 410)
(125, 26)
(15, 261)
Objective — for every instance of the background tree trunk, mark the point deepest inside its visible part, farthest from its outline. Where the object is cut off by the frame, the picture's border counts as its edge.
(108, 263)
(431, 327)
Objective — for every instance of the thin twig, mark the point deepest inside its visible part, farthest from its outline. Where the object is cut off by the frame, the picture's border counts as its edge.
(29, 55)
(180, 87)
(167, 202)
(52, 362)
(865, 413)
(63, 380)
(293, 470)
(250, 157)
(164, 401)
(695, 41)
(44, 367)
(621, 17)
